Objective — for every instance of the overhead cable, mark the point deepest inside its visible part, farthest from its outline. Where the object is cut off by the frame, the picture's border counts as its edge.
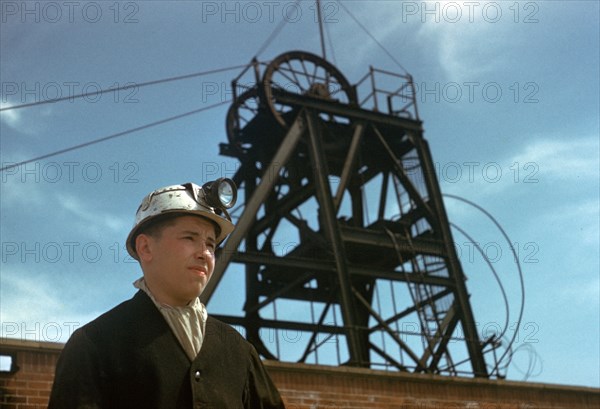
(517, 262)
(372, 37)
(124, 87)
(496, 276)
(274, 34)
(115, 135)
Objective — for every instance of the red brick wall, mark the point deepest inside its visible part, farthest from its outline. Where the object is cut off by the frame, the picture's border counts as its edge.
(321, 387)
(318, 387)
(29, 387)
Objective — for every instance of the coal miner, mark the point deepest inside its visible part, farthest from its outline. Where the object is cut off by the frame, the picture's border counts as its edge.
(161, 349)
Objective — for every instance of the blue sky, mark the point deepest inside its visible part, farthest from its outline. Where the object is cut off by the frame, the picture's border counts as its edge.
(509, 96)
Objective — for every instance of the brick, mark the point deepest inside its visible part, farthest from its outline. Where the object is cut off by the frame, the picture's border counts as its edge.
(38, 385)
(15, 399)
(319, 387)
(37, 400)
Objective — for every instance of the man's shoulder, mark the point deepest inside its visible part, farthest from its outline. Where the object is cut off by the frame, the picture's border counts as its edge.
(215, 324)
(223, 332)
(125, 316)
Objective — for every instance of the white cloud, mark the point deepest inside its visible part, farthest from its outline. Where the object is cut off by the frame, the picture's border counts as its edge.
(12, 118)
(27, 121)
(38, 296)
(29, 124)
(33, 308)
(15, 182)
(466, 39)
(92, 216)
(564, 159)
(562, 206)
(565, 163)
(363, 48)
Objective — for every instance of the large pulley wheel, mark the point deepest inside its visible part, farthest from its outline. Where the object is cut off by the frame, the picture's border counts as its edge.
(243, 109)
(302, 73)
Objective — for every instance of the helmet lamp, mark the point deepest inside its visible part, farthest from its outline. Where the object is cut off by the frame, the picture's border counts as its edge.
(221, 193)
(210, 201)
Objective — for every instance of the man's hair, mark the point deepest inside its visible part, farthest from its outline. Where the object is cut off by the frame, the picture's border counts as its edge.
(155, 226)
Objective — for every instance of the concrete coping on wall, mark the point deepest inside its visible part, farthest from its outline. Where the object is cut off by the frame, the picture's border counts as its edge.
(354, 372)
(29, 345)
(15, 345)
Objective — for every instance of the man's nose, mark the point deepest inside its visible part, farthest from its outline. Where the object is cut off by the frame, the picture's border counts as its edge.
(202, 250)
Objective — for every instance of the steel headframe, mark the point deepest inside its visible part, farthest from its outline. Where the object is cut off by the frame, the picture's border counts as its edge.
(344, 238)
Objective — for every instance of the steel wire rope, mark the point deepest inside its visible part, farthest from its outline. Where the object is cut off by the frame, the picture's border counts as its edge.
(410, 284)
(312, 318)
(401, 260)
(128, 86)
(494, 272)
(418, 287)
(504, 367)
(124, 87)
(274, 34)
(314, 342)
(502, 290)
(511, 351)
(330, 43)
(113, 136)
(394, 304)
(261, 49)
(155, 82)
(416, 299)
(505, 298)
(372, 37)
(122, 133)
(378, 298)
(533, 360)
(517, 262)
(422, 288)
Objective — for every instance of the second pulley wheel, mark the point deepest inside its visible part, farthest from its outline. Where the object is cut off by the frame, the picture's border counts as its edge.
(303, 73)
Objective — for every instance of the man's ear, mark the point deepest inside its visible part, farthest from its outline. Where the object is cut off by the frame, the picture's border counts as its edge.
(143, 247)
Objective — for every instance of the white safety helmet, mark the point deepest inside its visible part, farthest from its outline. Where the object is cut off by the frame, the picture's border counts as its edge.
(209, 201)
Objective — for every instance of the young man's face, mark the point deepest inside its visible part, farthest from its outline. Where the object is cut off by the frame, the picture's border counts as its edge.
(179, 261)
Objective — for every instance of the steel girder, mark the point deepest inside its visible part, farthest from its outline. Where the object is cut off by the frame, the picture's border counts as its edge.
(354, 195)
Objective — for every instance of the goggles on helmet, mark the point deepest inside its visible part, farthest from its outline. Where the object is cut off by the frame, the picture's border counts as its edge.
(210, 201)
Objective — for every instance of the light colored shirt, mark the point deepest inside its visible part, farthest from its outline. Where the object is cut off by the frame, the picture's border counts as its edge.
(187, 323)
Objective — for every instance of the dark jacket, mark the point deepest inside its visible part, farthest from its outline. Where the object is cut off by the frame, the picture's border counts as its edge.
(130, 358)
